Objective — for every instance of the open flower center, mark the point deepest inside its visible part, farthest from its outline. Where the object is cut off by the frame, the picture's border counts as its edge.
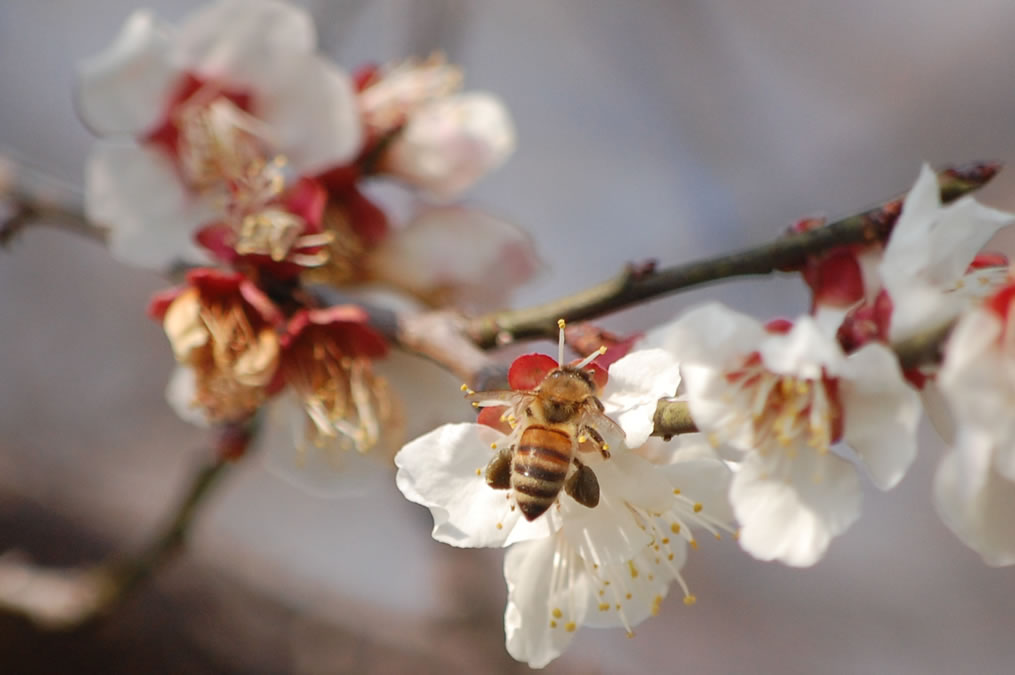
(785, 409)
(233, 355)
(343, 399)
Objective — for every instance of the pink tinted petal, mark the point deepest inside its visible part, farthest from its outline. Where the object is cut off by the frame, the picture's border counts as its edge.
(805, 351)
(790, 509)
(882, 413)
(529, 370)
(449, 143)
(126, 88)
(152, 218)
(711, 334)
(457, 255)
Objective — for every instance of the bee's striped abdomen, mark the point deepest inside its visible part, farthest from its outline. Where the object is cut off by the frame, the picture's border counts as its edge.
(539, 468)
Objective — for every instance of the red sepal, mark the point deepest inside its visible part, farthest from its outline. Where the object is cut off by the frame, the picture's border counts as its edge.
(779, 326)
(490, 416)
(159, 304)
(347, 325)
(983, 260)
(529, 370)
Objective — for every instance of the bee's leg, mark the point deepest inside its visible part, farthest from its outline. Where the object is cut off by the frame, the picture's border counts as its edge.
(582, 485)
(498, 471)
(597, 438)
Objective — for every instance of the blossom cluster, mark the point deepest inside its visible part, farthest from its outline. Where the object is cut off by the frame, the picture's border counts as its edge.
(236, 157)
(232, 150)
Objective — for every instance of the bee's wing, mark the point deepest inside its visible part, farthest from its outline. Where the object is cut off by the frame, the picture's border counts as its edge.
(331, 470)
(610, 431)
(497, 397)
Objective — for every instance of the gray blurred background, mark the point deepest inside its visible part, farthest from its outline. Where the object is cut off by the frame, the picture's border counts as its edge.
(646, 129)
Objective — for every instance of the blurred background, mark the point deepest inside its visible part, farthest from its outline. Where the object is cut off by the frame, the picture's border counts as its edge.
(652, 128)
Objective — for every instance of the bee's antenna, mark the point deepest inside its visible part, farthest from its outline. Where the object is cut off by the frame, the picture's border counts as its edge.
(560, 343)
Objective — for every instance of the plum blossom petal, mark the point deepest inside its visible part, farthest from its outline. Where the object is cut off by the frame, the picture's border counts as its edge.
(444, 471)
(930, 249)
(883, 413)
(181, 393)
(125, 89)
(637, 382)
(238, 40)
(449, 143)
(135, 190)
(804, 352)
(534, 632)
(791, 508)
(457, 255)
(975, 500)
(292, 452)
(318, 126)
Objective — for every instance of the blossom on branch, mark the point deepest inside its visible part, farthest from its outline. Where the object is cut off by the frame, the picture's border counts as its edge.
(223, 333)
(975, 483)
(782, 396)
(212, 120)
(437, 139)
(606, 561)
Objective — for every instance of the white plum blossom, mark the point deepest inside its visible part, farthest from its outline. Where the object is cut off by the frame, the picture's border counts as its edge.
(975, 483)
(925, 268)
(213, 118)
(443, 140)
(448, 144)
(781, 399)
(609, 565)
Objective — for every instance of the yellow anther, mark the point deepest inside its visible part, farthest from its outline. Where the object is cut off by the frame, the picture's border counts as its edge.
(675, 528)
(669, 557)
(500, 526)
(464, 387)
(698, 507)
(634, 570)
(666, 540)
(557, 613)
(630, 633)
(693, 543)
(676, 491)
(553, 624)
(582, 439)
(690, 600)
(604, 606)
(475, 404)
(718, 535)
(628, 596)
(570, 626)
(479, 472)
(493, 446)
(606, 447)
(561, 324)
(657, 603)
(602, 350)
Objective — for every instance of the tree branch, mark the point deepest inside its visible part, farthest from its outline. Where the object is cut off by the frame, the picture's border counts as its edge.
(29, 198)
(639, 283)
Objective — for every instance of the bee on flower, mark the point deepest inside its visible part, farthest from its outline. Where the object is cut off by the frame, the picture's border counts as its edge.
(574, 559)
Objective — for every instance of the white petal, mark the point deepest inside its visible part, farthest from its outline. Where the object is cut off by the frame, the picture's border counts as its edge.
(135, 192)
(701, 476)
(450, 143)
(975, 501)
(458, 255)
(710, 334)
(444, 470)
(327, 472)
(790, 509)
(978, 381)
(646, 580)
(715, 407)
(805, 351)
(313, 114)
(528, 570)
(238, 41)
(126, 88)
(881, 414)
(180, 393)
(938, 412)
(637, 382)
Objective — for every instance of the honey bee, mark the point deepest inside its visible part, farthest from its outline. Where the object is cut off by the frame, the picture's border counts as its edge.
(553, 423)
